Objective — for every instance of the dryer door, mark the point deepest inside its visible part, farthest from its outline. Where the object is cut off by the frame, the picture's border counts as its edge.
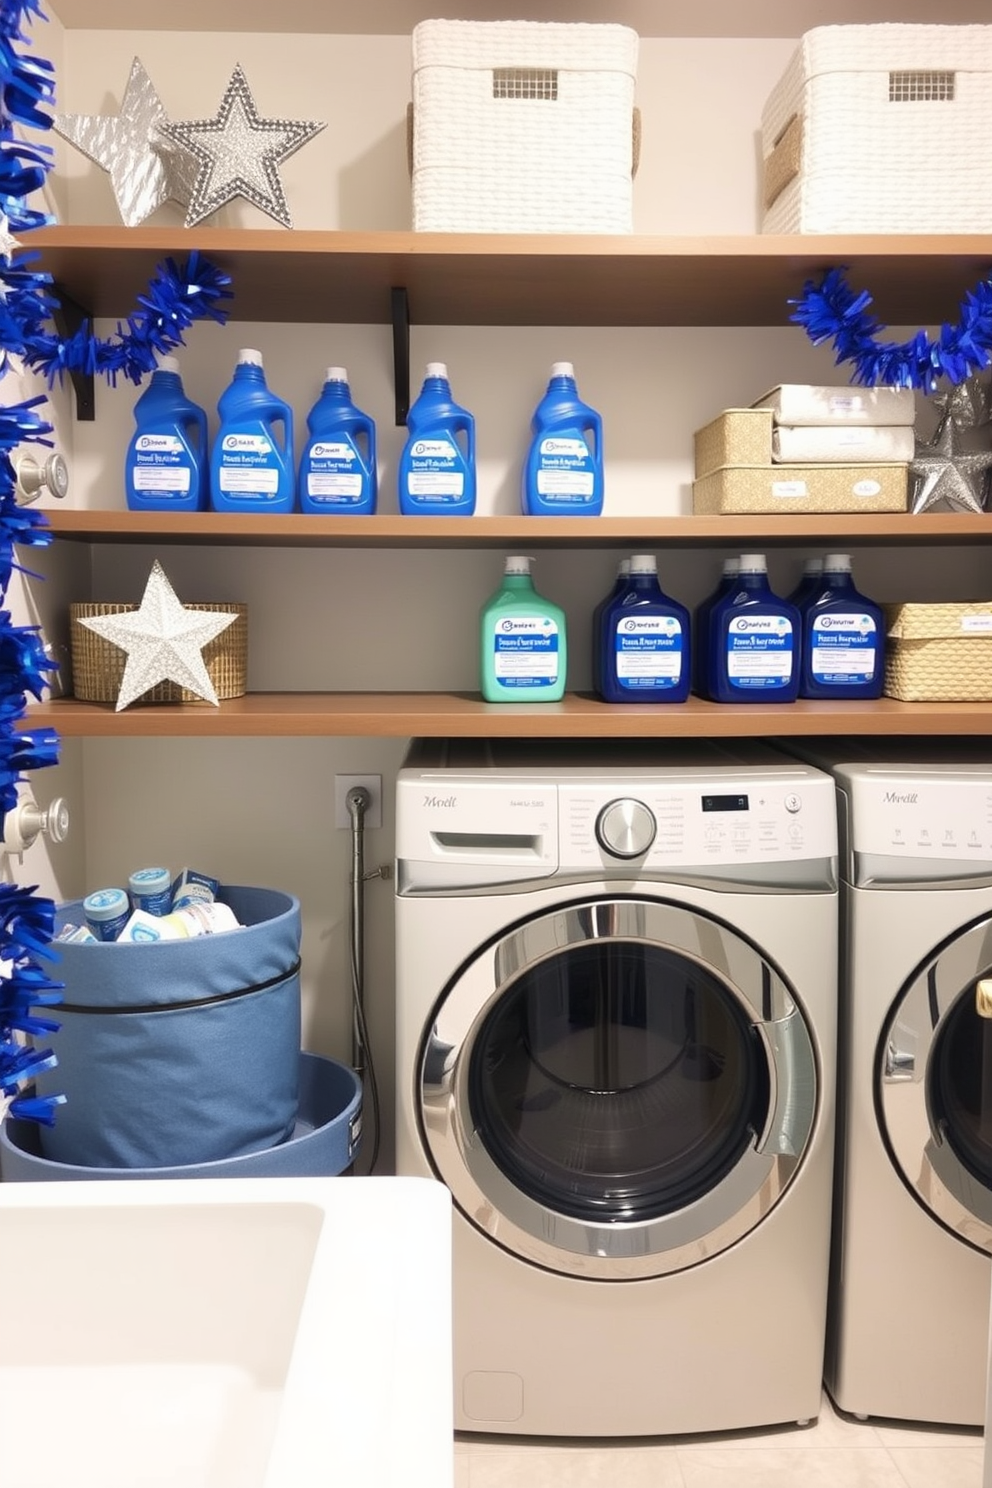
(934, 1083)
(618, 1088)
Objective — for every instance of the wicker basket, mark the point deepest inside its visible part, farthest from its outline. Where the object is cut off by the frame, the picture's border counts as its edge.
(939, 652)
(98, 665)
(881, 128)
(523, 126)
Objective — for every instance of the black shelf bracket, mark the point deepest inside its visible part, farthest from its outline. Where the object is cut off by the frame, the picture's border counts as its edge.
(68, 317)
(401, 352)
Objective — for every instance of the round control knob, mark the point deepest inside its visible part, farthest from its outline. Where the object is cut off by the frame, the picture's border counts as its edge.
(626, 828)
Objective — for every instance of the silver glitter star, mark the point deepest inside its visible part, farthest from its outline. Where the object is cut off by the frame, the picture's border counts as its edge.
(125, 145)
(238, 153)
(941, 471)
(969, 403)
(163, 641)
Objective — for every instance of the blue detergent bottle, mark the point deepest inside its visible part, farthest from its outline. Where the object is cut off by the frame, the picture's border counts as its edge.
(338, 466)
(645, 640)
(437, 466)
(754, 641)
(701, 625)
(252, 466)
(843, 652)
(167, 462)
(563, 472)
(619, 585)
(809, 582)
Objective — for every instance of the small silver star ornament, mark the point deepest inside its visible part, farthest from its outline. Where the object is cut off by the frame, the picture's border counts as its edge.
(943, 471)
(163, 641)
(238, 153)
(144, 169)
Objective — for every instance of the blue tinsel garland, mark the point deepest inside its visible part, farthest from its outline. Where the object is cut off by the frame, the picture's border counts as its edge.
(831, 311)
(177, 296)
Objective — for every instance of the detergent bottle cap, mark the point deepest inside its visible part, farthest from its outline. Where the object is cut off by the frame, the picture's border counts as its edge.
(837, 563)
(813, 566)
(623, 567)
(643, 563)
(731, 566)
(753, 563)
(336, 374)
(168, 364)
(248, 357)
(562, 369)
(437, 369)
(518, 565)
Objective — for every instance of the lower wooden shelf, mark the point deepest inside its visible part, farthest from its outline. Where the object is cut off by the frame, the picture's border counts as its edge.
(465, 715)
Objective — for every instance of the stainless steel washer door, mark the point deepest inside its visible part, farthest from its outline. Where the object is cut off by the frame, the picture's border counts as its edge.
(618, 1088)
(934, 1084)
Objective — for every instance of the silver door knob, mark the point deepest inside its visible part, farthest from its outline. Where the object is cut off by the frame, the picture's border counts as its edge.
(626, 828)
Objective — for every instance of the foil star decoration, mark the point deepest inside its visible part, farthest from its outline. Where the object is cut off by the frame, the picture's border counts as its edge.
(144, 169)
(943, 471)
(163, 641)
(238, 154)
(968, 403)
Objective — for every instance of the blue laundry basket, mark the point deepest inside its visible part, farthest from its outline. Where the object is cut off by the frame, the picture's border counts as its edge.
(181, 1052)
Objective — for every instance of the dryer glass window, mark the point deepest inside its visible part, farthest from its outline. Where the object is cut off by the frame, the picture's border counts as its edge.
(961, 1085)
(618, 1081)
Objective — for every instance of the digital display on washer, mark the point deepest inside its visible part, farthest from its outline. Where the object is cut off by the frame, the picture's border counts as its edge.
(725, 803)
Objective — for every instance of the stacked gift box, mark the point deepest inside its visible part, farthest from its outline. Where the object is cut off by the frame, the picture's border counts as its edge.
(802, 448)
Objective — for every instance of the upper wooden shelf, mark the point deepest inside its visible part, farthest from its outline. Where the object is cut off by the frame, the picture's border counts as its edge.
(512, 279)
(398, 17)
(289, 531)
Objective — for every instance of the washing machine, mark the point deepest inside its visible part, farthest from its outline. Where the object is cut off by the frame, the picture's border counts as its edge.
(909, 1299)
(616, 1044)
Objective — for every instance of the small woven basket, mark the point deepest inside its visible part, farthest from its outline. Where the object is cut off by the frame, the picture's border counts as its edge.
(98, 665)
(939, 652)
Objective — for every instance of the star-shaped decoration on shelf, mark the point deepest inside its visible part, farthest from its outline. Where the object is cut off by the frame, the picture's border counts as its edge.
(144, 171)
(163, 641)
(942, 471)
(238, 153)
(968, 403)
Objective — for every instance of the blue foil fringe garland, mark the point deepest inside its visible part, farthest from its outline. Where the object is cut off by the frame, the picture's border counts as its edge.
(831, 311)
(178, 295)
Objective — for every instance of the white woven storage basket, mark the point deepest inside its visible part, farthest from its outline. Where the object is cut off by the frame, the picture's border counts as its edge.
(523, 126)
(881, 128)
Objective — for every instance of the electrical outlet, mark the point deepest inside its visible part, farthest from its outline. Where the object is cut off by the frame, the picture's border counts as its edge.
(373, 812)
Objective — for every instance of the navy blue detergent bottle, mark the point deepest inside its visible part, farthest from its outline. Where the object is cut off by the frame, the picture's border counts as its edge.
(645, 641)
(619, 585)
(701, 626)
(808, 583)
(754, 641)
(843, 645)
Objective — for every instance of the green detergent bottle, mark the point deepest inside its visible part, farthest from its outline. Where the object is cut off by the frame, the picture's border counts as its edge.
(524, 648)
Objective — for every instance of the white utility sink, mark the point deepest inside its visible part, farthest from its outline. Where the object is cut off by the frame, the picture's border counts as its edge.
(229, 1333)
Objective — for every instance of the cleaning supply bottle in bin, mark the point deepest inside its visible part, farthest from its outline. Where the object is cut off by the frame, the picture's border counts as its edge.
(645, 641)
(754, 641)
(619, 585)
(437, 466)
(167, 462)
(808, 581)
(524, 645)
(843, 637)
(563, 472)
(252, 467)
(701, 626)
(338, 466)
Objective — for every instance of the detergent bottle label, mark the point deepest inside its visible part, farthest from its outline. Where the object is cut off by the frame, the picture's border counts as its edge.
(648, 651)
(759, 651)
(436, 470)
(565, 469)
(335, 475)
(249, 463)
(161, 463)
(525, 651)
(843, 648)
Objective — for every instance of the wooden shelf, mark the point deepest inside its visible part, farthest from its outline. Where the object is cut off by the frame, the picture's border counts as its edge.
(290, 531)
(510, 279)
(464, 715)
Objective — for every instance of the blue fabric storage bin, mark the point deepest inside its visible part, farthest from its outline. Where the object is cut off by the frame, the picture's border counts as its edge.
(178, 1052)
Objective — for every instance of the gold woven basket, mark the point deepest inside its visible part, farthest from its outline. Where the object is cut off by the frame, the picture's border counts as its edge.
(98, 665)
(939, 652)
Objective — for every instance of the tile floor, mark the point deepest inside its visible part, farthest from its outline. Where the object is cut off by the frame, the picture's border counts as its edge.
(834, 1452)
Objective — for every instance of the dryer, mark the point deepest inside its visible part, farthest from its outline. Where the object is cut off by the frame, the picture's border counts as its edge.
(616, 1011)
(909, 1300)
